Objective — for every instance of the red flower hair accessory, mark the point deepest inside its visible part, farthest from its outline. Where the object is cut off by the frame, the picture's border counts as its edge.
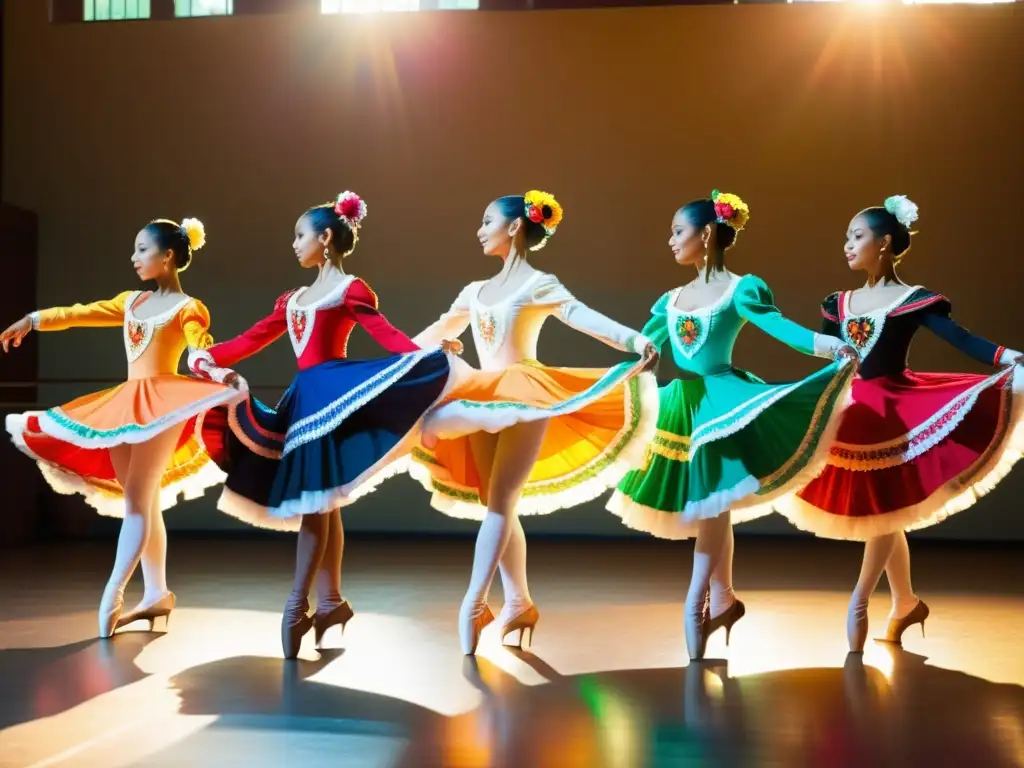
(350, 208)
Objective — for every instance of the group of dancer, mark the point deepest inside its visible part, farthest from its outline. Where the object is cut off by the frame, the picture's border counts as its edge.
(862, 449)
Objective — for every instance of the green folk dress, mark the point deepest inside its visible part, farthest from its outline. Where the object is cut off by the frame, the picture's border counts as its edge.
(725, 438)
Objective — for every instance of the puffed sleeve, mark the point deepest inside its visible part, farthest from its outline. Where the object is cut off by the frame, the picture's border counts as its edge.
(195, 324)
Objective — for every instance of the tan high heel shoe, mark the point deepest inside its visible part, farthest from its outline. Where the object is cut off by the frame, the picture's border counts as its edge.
(161, 608)
(339, 614)
(727, 619)
(896, 628)
(526, 620)
(479, 620)
(295, 623)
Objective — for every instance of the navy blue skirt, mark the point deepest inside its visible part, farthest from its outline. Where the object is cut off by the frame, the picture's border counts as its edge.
(340, 429)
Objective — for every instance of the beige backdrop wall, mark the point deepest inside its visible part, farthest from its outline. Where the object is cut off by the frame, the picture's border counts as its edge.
(809, 112)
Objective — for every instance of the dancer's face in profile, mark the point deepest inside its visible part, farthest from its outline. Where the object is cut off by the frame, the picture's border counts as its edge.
(149, 261)
(308, 245)
(863, 248)
(687, 241)
(497, 232)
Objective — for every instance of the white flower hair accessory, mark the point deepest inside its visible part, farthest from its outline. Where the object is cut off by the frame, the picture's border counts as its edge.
(903, 208)
(195, 232)
(350, 208)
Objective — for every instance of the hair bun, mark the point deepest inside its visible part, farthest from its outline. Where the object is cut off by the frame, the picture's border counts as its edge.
(730, 210)
(195, 232)
(903, 208)
(351, 209)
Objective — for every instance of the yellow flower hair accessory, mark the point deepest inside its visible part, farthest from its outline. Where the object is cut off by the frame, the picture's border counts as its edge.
(195, 232)
(542, 208)
(730, 209)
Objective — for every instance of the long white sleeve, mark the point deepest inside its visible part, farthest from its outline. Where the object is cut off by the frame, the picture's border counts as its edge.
(582, 318)
(450, 325)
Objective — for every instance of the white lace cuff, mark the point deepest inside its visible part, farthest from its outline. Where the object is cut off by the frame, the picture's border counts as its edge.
(201, 363)
(826, 346)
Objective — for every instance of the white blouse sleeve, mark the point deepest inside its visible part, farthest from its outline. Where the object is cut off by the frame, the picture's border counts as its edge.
(451, 324)
(549, 291)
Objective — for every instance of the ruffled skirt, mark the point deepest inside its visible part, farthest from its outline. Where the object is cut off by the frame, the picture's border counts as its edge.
(340, 429)
(71, 443)
(731, 441)
(600, 423)
(912, 450)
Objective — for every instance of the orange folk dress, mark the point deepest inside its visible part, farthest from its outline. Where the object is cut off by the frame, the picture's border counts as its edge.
(71, 443)
(601, 421)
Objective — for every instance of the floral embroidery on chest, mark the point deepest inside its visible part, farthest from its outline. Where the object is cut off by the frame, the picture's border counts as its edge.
(301, 320)
(489, 327)
(489, 324)
(139, 333)
(690, 328)
(863, 330)
(298, 320)
(859, 331)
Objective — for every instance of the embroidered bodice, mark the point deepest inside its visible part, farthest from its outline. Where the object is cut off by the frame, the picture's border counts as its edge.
(703, 339)
(153, 345)
(883, 336)
(319, 331)
(506, 332)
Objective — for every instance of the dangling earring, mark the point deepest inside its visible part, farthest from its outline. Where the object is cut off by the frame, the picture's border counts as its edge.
(327, 254)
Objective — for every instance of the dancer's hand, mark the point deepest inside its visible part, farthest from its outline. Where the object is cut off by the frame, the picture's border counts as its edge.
(846, 352)
(235, 381)
(453, 346)
(650, 357)
(15, 333)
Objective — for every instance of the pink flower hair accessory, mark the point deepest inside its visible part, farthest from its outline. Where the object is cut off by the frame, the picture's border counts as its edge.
(350, 208)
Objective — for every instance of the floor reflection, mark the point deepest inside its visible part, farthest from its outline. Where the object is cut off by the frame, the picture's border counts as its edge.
(606, 686)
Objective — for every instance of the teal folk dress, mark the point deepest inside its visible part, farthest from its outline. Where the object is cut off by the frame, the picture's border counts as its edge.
(725, 438)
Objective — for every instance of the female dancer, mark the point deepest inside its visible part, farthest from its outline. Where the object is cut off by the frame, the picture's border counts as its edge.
(914, 448)
(339, 427)
(519, 437)
(726, 439)
(131, 450)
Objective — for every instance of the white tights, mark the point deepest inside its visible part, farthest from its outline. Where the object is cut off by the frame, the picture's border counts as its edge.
(504, 462)
(143, 535)
(889, 553)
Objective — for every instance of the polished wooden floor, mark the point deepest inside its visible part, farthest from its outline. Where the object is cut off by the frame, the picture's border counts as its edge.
(606, 684)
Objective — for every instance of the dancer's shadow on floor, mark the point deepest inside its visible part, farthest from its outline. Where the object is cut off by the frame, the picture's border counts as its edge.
(905, 713)
(250, 694)
(41, 682)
